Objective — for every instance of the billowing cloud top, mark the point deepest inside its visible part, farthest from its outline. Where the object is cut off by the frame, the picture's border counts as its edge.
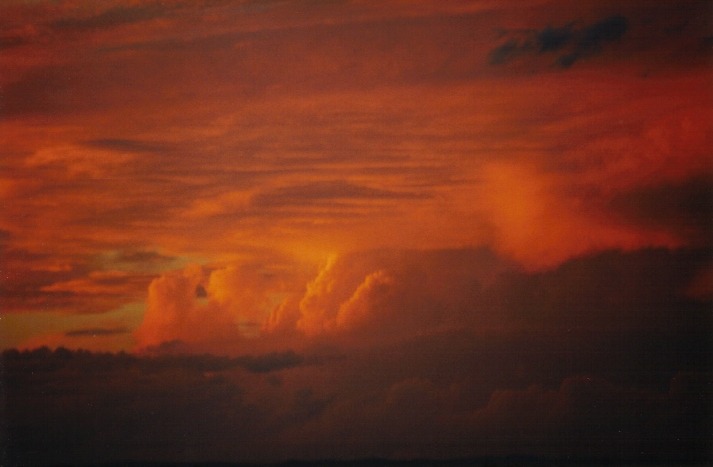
(499, 213)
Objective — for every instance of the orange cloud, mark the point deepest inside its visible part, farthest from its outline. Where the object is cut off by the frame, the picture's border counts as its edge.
(173, 313)
(283, 143)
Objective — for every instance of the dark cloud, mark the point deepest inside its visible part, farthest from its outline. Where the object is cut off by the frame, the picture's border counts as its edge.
(269, 362)
(128, 145)
(112, 17)
(326, 192)
(8, 41)
(5, 237)
(505, 52)
(96, 332)
(685, 208)
(461, 354)
(594, 38)
(553, 39)
(574, 42)
(238, 64)
(87, 407)
(139, 257)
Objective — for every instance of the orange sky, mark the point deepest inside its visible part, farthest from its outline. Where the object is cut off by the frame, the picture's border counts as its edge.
(238, 146)
(353, 229)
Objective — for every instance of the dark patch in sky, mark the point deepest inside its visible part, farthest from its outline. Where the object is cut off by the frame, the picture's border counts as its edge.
(574, 43)
(9, 41)
(552, 39)
(594, 37)
(96, 332)
(325, 191)
(685, 208)
(127, 145)
(269, 362)
(5, 236)
(117, 16)
(505, 52)
(143, 257)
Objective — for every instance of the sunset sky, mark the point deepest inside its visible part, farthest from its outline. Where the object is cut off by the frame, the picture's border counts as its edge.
(346, 229)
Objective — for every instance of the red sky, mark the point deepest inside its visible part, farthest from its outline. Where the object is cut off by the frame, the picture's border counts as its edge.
(251, 177)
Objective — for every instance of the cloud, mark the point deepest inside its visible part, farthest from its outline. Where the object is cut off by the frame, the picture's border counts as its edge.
(384, 296)
(127, 145)
(604, 356)
(685, 207)
(553, 39)
(173, 312)
(573, 42)
(112, 17)
(205, 406)
(96, 332)
(270, 362)
(587, 417)
(389, 294)
(201, 397)
(214, 308)
(325, 192)
(594, 38)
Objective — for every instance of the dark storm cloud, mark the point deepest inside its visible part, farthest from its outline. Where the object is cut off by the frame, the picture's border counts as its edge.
(269, 362)
(604, 356)
(685, 208)
(579, 289)
(43, 358)
(186, 408)
(577, 42)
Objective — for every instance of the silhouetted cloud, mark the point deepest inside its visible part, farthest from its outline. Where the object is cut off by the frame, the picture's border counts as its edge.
(594, 38)
(328, 191)
(180, 407)
(269, 362)
(96, 332)
(685, 207)
(578, 42)
(553, 39)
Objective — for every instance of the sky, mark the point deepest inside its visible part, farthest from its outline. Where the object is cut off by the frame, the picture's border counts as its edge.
(349, 229)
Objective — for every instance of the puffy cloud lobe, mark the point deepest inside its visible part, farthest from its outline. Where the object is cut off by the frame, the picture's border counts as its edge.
(216, 307)
(173, 312)
(372, 294)
(384, 294)
(243, 294)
